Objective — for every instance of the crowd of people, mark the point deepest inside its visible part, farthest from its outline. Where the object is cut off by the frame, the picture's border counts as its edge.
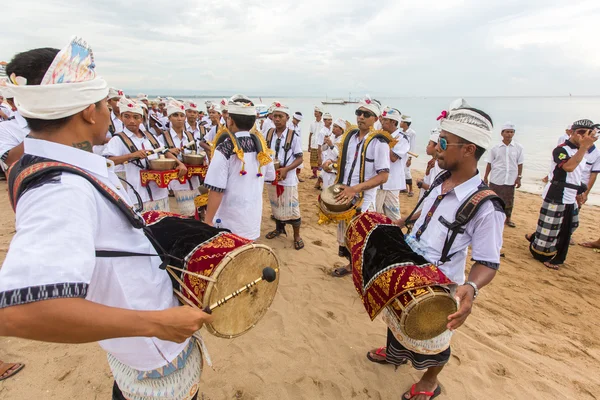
(54, 288)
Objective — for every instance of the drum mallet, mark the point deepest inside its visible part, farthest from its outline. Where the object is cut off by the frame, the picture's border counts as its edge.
(268, 274)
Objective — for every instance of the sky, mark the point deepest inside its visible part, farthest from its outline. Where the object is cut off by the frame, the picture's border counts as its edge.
(388, 48)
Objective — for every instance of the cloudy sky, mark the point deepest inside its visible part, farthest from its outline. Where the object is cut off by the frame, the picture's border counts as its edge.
(313, 47)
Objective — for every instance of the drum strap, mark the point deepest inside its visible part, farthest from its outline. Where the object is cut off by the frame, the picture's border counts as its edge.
(138, 163)
(287, 146)
(465, 212)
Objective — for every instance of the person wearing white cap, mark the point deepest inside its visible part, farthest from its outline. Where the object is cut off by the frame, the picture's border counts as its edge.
(562, 196)
(143, 98)
(283, 191)
(387, 201)
(565, 136)
(236, 181)
(54, 284)
(130, 149)
(116, 125)
(505, 169)
(433, 168)
(180, 141)
(5, 109)
(268, 122)
(325, 132)
(412, 138)
(465, 135)
(214, 114)
(295, 125)
(191, 120)
(313, 141)
(330, 153)
(363, 167)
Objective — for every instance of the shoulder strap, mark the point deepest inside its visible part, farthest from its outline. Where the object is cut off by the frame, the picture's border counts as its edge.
(168, 139)
(127, 142)
(288, 140)
(29, 171)
(439, 179)
(190, 138)
(465, 213)
(202, 130)
(152, 140)
(269, 139)
(343, 152)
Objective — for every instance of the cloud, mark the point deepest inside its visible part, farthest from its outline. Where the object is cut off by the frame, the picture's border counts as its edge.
(388, 48)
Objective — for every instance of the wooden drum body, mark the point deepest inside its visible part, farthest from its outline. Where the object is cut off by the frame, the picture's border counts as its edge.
(229, 261)
(414, 296)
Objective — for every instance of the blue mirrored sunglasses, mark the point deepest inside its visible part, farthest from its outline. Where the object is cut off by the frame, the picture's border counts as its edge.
(444, 144)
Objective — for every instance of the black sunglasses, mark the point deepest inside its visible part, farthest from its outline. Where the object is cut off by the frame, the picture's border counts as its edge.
(366, 114)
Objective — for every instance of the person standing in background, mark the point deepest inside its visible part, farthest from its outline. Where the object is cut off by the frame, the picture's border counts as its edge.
(313, 138)
(412, 138)
(505, 169)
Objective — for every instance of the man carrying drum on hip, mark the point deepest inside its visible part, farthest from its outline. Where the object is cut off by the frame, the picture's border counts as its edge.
(465, 135)
(53, 285)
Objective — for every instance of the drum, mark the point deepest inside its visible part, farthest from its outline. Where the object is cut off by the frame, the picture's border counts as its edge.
(330, 211)
(211, 263)
(413, 294)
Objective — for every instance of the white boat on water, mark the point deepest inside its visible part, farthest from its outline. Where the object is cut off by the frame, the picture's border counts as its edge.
(334, 101)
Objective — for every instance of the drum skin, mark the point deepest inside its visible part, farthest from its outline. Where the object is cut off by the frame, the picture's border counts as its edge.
(216, 253)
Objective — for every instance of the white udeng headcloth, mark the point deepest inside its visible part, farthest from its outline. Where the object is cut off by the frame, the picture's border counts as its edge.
(175, 107)
(129, 105)
(469, 125)
(370, 105)
(69, 86)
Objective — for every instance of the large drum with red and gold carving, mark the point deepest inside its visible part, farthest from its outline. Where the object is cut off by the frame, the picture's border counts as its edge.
(229, 261)
(413, 295)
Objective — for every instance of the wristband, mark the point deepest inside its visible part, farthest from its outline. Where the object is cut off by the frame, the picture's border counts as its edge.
(474, 286)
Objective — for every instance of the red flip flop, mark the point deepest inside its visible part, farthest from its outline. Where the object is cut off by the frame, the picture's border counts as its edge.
(412, 393)
(7, 370)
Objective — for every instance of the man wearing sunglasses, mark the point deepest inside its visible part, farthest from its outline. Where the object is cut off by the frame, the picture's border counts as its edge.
(465, 135)
(362, 170)
(559, 215)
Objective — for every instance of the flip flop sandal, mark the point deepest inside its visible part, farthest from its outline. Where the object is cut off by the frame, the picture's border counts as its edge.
(299, 245)
(7, 370)
(340, 272)
(413, 393)
(410, 194)
(589, 245)
(380, 352)
(552, 266)
(274, 234)
(511, 224)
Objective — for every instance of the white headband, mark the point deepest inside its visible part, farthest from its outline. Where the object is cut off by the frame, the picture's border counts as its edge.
(175, 107)
(298, 116)
(190, 106)
(128, 105)
(318, 109)
(239, 108)
(508, 126)
(469, 125)
(435, 135)
(277, 106)
(114, 93)
(341, 123)
(327, 116)
(370, 105)
(392, 113)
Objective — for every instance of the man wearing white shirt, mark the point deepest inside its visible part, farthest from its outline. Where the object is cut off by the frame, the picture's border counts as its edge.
(388, 194)
(236, 187)
(323, 133)
(191, 120)
(214, 113)
(461, 145)
(116, 125)
(12, 134)
(313, 141)
(412, 138)
(330, 153)
(53, 286)
(283, 192)
(363, 168)
(268, 122)
(505, 169)
(295, 124)
(130, 148)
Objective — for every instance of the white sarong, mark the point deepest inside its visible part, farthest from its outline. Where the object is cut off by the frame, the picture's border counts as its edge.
(287, 206)
(158, 205)
(388, 203)
(185, 201)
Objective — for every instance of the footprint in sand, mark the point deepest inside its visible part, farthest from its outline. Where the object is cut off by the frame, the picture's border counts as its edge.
(318, 243)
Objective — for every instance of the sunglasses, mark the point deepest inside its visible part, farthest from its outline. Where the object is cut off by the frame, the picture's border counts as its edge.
(366, 114)
(444, 144)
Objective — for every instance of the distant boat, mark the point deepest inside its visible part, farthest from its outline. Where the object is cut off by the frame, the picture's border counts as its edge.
(334, 101)
(351, 100)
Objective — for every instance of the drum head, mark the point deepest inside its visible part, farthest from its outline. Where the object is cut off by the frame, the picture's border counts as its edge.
(328, 199)
(428, 317)
(242, 312)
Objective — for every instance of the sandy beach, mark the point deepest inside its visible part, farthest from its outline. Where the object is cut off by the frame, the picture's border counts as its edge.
(533, 333)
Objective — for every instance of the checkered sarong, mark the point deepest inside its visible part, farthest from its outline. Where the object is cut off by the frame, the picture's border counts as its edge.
(551, 227)
(314, 158)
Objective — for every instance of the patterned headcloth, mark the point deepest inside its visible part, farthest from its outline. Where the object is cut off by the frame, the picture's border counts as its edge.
(69, 86)
(583, 124)
(467, 124)
(174, 107)
(371, 105)
(129, 105)
(392, 113)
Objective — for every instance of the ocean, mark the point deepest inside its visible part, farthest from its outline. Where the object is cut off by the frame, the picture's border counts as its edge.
(539, 122)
